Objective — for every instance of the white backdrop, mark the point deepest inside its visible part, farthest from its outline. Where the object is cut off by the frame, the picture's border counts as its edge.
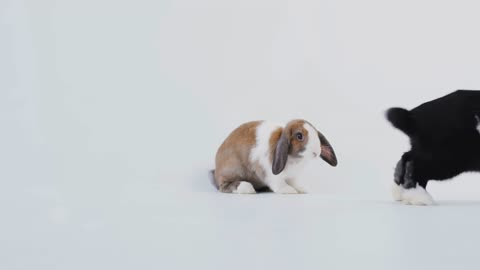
(111, 113)
(117, 94)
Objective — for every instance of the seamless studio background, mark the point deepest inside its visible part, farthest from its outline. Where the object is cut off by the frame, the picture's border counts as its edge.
(122, 104)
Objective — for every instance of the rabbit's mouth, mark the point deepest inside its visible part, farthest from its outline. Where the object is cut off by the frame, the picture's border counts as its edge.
(304, 155)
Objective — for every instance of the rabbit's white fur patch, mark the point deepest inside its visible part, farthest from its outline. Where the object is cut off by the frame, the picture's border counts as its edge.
(245, 188)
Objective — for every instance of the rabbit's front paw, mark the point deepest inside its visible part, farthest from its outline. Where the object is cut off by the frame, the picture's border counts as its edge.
(397, 192)
(286, 189)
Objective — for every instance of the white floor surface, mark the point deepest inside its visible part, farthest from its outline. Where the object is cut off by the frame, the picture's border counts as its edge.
(158, 229)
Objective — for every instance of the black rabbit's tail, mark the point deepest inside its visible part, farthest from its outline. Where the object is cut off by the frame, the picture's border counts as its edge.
(401, 119)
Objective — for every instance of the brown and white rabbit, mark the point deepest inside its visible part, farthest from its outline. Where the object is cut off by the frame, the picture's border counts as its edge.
(262, 154)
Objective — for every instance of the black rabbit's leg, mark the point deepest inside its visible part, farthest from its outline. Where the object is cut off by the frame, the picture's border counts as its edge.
(397, 188)
(414, 187)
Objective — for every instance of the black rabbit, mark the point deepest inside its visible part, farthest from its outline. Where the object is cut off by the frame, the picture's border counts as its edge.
(445, 142)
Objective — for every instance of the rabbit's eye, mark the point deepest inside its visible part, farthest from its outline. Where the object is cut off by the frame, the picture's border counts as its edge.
(299, 136)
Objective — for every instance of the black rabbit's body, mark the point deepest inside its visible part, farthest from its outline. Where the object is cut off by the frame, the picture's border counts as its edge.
(445, 140)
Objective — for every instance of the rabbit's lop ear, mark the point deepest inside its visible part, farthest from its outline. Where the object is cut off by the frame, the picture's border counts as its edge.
(327, 152)
(280, 154)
